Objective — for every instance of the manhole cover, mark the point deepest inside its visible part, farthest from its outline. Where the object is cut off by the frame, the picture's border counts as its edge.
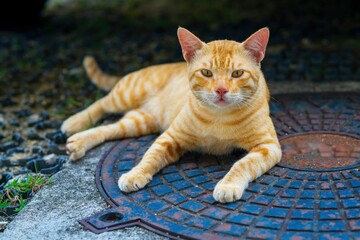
(313, 193)
(320, 151)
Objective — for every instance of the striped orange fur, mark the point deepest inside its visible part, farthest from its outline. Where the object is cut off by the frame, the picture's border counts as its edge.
(213, 103)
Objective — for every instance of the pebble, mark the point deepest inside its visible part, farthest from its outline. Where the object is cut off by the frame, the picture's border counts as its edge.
(54, 148)
(17, 138)
(11, 151)
(1, 136)
(4, 178)
(7, 145)
(55, 124)
(2, 121)
(37, 150)
(13, 122)
(25, 160)
(49, 166)
(4, 161)
(5, 102)
(45, 115)
(42, 125)
(50, 135)
(34, 119)
(22, 171)
(36, 165)
(33, 135)
(59, 138)
(50, 159)
(22, 113)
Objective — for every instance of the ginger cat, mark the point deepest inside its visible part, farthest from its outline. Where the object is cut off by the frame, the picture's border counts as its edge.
(213, 103)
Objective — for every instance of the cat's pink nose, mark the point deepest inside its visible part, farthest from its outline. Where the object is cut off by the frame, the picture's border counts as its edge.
(221, 91)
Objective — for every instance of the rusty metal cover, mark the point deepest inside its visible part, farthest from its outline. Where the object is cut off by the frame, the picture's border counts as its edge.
(312, 194)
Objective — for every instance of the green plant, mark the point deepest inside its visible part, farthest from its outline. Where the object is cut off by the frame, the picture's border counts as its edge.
(4, 203)
(18, 189)
(22, 204)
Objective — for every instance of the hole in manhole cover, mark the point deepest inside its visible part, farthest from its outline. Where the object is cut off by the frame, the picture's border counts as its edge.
(111, 217)
(295, 199)
(320, 151)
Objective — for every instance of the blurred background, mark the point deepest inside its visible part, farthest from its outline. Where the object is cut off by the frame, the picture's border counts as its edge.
(314, 46)
(42, 43)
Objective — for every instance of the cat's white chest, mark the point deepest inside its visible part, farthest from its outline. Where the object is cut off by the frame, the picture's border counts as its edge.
(214, 145)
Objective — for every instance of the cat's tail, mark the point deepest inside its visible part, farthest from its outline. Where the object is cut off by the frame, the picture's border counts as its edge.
(100, 79)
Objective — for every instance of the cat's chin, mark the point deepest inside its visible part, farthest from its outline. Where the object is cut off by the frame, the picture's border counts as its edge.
(221, 103)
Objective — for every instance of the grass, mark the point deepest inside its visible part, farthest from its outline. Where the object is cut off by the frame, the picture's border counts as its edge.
(17, 191)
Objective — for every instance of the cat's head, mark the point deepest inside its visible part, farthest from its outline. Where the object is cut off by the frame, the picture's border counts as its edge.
(224, 74)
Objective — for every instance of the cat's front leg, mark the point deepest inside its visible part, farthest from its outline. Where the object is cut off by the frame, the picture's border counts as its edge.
(165, 150)
(259, 160)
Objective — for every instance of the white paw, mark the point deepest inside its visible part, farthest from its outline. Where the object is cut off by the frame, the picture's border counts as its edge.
(133, 181)
(76, 123)
(75, 146)
(228, 192)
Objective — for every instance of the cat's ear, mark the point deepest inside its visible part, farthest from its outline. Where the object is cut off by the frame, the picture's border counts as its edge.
(256, 44)
(189, 43)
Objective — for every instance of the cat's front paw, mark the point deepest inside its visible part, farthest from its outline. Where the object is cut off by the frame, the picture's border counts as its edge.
(76, 123)
(133, 181)
(228, 192)
(75, 146)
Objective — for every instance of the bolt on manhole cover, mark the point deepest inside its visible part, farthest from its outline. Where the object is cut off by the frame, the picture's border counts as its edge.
(313, 193)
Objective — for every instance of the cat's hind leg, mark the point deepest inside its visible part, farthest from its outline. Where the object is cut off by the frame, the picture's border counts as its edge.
(129, 93)
(89, 116)
(119, 100)
(134, 123)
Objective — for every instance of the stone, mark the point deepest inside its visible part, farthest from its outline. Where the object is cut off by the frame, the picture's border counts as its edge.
(59, 138)
(42, 125)
(50, 135)
(11, 151)
(55, 124)
(5, 102)
(36, 165)
(4, 161)
(37, 150)
(13, 122)
(22, 113)
(45, 115)
(50, 159)
(2, 121)
(54, 148)
(7, 145)
(23, 161)
(33, 135)
(34, 119)
(17, 138)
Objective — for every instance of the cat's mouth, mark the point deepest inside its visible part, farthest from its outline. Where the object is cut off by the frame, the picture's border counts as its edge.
(221, 102)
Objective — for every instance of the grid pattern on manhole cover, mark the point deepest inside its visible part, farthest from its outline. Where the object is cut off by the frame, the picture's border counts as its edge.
(287, 201)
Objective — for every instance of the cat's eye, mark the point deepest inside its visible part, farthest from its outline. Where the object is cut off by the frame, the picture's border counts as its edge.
(206, 73)
(237, 73)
